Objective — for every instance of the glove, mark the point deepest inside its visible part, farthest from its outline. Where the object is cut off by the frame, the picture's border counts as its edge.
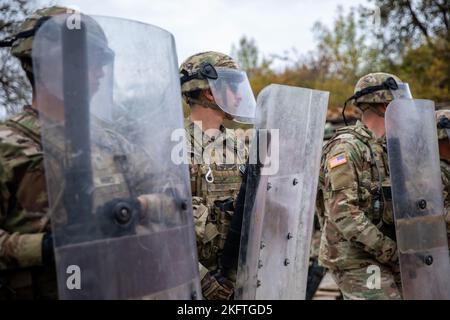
(216, 287)
(48, 253)
(118, 217)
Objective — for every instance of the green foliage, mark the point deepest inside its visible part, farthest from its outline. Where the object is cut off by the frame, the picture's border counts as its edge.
(410, 39)
(247, 54)
(14, 87)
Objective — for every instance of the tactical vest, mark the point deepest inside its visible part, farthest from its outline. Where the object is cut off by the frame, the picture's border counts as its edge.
(378, 190)
(214, 190)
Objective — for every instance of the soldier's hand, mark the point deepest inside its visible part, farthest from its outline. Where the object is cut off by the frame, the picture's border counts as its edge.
(216, 287)
(163, 207)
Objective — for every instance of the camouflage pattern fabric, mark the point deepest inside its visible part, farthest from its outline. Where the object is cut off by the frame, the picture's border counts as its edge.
(21, 48)
(374, 79)
(354, 205)
(445, 170)
(192, 65)
(213, 202)
(24, 214)
(24, 200)
(23, 43)
(23, 219)
(354, 284)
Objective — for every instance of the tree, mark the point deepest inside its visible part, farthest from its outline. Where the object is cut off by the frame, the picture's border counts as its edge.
(247, 54)
(14, 87)
(345, 51)
(411, 23)
(415, 40)
(248, 58)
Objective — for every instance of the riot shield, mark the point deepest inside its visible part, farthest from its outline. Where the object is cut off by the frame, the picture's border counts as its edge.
(280, 193)
(418, 200)
(109, 100)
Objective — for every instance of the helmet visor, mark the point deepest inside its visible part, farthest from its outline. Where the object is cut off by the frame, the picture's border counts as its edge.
(402, 92)
(233, 94)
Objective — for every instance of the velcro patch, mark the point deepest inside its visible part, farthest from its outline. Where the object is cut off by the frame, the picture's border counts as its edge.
(337, 161)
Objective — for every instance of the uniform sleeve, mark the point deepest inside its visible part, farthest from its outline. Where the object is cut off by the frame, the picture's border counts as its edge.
(342, 181)
(446, 195)
(16, 249)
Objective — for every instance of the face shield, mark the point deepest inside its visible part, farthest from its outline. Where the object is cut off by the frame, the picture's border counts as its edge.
(46, 52)
(233, 94)
(402, 91)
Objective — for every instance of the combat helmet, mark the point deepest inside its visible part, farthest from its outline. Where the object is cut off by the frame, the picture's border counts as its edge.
(229, 85)
(21, 42)
(375, 88)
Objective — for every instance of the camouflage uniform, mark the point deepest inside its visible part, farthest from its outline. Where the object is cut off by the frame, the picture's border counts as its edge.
(24, 205)
(355, 209)
(24, 217)
(214, 186)
(445, 170)
(24, 214)
(213, 201)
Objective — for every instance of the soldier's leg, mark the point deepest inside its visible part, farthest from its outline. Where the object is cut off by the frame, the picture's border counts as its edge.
(365, 284)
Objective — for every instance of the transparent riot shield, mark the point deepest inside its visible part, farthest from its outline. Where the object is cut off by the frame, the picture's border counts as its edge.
(281, 192)
(418, 200)
(108, 95)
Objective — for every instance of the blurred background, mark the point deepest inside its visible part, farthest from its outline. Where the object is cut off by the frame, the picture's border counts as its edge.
(325, 45)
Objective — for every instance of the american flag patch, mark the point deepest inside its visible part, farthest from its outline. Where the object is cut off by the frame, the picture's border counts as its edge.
(337, 161)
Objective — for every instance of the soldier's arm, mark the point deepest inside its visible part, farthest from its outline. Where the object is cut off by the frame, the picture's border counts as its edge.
(446, 195)
(16, 249)
(343, 164)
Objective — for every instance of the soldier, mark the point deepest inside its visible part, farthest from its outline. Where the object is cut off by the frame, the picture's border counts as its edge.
(443, 125)
(215, 89)
(354, 199)
(90, 199)
(26, 255)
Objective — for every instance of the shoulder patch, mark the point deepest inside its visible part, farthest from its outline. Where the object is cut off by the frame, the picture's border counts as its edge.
(337, 161)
